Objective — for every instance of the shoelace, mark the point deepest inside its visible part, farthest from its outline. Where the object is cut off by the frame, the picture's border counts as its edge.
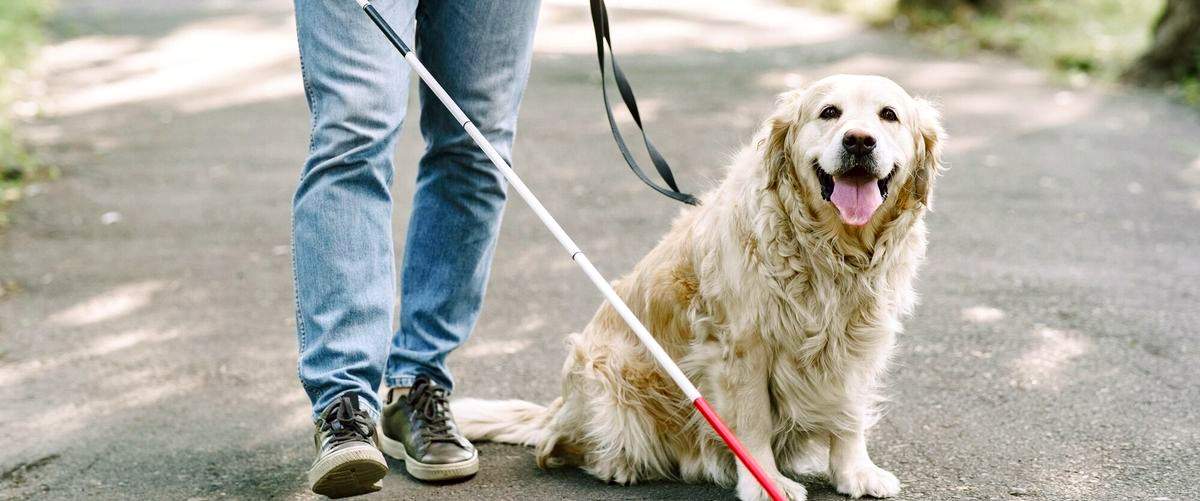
(431, 406)
(346, 423)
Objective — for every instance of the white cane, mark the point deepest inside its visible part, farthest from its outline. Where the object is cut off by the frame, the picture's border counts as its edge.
(577, 255)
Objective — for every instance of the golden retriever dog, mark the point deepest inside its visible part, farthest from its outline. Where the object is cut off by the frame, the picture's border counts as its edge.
(781, 297)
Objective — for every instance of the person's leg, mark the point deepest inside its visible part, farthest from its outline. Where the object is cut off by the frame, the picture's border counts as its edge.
(357, 89)
(480, 52)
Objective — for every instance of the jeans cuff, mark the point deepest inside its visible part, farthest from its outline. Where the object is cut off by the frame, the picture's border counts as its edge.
(407, 380)
(364, 403)
(401, 381)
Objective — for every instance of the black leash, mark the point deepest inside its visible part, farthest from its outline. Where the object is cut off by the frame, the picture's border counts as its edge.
(603, 37)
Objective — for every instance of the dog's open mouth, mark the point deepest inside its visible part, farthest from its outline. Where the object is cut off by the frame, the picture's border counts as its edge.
(857, 194)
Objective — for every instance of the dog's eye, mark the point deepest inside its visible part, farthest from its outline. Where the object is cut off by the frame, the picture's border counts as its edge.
(888, 114)
(830, 112)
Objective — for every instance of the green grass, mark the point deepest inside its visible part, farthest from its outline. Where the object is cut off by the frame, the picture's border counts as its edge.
(1080, 40)
(21, 25)
(1190, 90)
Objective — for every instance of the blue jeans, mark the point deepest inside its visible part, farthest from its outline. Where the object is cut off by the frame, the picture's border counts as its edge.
(343, 258)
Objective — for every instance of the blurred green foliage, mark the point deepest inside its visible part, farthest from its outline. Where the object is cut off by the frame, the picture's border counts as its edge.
(1190, 89)
(21, 28)
(21, 24)
(1080, 39)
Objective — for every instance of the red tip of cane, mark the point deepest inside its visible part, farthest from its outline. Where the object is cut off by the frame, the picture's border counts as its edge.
(738, 450)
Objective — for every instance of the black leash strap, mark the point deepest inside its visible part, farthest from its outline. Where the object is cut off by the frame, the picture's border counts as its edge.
(603, 38)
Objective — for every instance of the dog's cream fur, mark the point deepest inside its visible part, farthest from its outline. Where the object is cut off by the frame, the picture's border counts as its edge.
(782, 314)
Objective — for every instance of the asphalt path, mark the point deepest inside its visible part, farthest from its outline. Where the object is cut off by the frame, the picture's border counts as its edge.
(147, 345)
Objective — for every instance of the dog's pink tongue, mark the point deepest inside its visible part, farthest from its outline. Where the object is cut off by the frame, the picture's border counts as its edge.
(856, 199)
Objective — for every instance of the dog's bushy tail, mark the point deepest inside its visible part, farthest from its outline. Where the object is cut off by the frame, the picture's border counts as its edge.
(505, 421)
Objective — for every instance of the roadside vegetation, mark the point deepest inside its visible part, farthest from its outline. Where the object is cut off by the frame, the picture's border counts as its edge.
(1153, 43)
(21, 29)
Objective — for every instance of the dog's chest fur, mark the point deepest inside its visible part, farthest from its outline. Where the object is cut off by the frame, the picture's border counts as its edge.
(837, 318)
(828, 319)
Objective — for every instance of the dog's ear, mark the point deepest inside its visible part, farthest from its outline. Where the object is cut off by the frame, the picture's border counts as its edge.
(930, 136)
(777, 136)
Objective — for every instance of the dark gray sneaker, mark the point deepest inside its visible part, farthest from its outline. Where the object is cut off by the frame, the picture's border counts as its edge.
(348, 461)
(419, 429)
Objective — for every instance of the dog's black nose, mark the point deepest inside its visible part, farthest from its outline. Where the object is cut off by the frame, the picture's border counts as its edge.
(858, 143)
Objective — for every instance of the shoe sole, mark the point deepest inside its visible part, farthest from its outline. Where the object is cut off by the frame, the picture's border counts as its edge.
(425, 471)
(348, 472)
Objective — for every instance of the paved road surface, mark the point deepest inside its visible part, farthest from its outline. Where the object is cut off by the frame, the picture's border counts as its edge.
(1053, 357)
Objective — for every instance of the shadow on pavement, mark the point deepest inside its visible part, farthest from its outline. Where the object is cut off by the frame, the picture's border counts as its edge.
(153, 356)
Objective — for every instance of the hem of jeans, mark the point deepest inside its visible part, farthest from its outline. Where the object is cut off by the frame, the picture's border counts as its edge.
(407, 381)
(364, 403)
(403, 381)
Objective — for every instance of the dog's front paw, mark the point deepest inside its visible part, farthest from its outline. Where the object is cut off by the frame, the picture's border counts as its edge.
(866, 480)
(749, 490)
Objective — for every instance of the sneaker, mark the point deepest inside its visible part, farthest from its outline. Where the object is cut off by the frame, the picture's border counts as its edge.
(348, 462)
(418, 428)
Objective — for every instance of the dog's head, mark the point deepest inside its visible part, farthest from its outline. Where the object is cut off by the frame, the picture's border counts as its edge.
(855, 145)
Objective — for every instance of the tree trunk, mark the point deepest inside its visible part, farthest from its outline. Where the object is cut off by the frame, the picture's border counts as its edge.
(1175, 52)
